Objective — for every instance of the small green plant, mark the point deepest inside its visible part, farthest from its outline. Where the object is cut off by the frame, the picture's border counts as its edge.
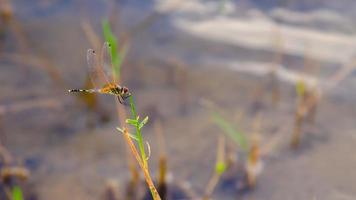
(299, 115)
(135, 122)
(117, 57)
(220, 168)
(253, 164)
(142, 159)
(17, 193)
(229, 130)
(300, 88)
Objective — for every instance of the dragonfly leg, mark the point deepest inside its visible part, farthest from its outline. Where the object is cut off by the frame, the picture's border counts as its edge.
(120, 99)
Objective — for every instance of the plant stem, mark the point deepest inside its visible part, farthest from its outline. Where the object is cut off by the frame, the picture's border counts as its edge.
(220, 161)
(138, 133)
(146, 173)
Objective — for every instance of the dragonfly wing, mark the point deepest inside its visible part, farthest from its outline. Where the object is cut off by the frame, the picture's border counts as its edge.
(96, 73)
(106, 61)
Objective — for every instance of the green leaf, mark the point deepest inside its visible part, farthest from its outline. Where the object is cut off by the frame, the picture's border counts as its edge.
(143, 122)
(130, 135)
(17, 193)
(237, 136)
(111, 38)
(220, 168)
(132, 122)
(138, 132)
(133, 137)
(120, 129)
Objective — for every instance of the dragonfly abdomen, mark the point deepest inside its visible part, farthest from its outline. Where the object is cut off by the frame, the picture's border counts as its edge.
(82, 90)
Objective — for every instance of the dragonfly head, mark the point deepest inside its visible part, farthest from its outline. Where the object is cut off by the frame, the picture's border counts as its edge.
(125, 93)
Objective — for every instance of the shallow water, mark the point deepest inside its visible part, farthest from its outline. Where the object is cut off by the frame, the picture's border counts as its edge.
(47, 128)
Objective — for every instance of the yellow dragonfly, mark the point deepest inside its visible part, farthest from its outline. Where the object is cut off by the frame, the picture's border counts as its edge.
(101, 75)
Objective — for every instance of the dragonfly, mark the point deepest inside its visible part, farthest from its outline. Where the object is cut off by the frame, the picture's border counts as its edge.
(102, 76)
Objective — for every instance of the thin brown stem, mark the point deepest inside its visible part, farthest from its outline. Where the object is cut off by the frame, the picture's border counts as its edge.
(146, 173)
(214, 180)
(131, 163)
(162, 150)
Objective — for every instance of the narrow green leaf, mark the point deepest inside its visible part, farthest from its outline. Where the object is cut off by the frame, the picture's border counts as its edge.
(133, 137)
(120, 129)
(130, 135)
(143, 122)
(149, 150)
(138, 132)
(132, 122)
(17, 193)
(133, 108)
(237, 136)
(111, 38)
(121, 56)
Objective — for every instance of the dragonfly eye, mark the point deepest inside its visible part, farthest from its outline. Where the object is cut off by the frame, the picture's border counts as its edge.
(125, 93)
(125, 90)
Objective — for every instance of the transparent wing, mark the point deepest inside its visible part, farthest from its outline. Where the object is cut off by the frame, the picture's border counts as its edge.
(106, 61)
(96, 73)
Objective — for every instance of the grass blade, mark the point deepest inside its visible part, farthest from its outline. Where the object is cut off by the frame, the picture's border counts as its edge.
(17, 193)
(237, 136)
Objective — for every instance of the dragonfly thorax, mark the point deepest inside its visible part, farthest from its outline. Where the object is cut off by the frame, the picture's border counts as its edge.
(116, 90)
(111, 89)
